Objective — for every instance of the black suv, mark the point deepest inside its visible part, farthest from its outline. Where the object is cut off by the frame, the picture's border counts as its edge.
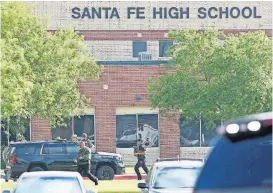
(57, 156)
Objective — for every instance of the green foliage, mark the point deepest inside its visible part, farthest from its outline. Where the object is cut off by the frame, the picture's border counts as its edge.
(3, 165)
(41, 70)
(221, 79)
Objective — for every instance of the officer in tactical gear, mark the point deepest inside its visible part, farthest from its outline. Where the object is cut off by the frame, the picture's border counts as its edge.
(83, 162)
(75, 139)
(140, 153)
(88, 143)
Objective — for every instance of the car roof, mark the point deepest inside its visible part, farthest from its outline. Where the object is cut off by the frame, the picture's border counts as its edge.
(181, 163)
(38, 142)
(50, 174)
(254, 117)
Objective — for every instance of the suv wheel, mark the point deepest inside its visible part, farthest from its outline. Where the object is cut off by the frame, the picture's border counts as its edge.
(105, 173)
(36, 168)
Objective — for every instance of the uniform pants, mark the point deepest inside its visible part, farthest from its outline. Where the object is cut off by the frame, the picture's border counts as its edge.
(140, 163)
(85, 170)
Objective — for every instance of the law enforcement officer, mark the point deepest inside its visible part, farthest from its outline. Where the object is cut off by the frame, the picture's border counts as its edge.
(88, 143)
(75, 139)
(140, 153)
(83, 162)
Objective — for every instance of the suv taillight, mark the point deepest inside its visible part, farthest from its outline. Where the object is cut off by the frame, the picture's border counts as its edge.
(13, 159)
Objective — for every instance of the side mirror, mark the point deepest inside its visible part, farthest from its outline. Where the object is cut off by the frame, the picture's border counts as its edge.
(142, 185)
(6, 191)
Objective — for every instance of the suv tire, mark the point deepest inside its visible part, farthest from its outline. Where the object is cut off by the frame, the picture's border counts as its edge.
(105, 173)
(36, 168)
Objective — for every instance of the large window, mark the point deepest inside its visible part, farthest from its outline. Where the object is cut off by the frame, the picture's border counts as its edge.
(191, 133)
(163, 47)
(84, 124)
(139, 46)
(64, 132)
(129, 128)
(76, 125)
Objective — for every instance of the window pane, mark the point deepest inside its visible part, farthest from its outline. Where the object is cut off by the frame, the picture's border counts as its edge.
(176, 177)
(189, 132)
(126, 131)
(71, 148)
(84, 124)
(209, 134)
(51, 184)
(139, 47)
(26, 149)
(148, 129)
(45, 149)
(56, 148)
(64, 132)
(163, 47)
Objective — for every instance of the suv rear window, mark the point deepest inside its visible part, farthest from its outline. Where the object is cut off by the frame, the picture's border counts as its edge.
(26, 149)
(245, 163)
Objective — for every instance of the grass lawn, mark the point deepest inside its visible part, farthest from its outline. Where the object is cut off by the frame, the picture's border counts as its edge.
(130, 170)
(114, 186)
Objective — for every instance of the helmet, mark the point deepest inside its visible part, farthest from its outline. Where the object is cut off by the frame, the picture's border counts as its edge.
(84, 135)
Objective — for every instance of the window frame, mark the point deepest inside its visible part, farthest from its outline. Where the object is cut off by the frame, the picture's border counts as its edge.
(164, 54)
(136, 116)
(64, 150)
(66, 146)
(134, 45)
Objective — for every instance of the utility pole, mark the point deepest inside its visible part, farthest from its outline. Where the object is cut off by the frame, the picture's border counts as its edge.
(200, 130)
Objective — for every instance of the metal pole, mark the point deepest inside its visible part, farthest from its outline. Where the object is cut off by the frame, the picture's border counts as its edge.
(73, 131)
(30, 131)
(8, 131)
(200, 131)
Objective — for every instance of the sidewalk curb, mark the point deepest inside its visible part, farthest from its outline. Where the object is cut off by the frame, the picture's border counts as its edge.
(124, 177)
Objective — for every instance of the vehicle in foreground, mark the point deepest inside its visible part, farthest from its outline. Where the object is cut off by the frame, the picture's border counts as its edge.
(50, 182)
(57, 155)
(172, 176)
(241, 161)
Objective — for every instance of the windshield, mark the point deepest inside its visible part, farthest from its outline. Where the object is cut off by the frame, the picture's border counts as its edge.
(176, 177)
(48, 185)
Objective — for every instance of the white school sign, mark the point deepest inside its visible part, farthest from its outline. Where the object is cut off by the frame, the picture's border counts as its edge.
(155, 15)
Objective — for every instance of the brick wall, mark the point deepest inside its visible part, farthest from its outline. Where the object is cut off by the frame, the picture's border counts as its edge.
(40, 129)
(169, 136)
(116, 50)
(116, 45)
(144, 35)
(124, 82)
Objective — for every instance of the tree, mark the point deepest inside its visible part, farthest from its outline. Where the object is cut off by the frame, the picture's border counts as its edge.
(220, 76)
(41, 70)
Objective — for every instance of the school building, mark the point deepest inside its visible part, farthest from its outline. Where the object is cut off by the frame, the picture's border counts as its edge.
(131, 39)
